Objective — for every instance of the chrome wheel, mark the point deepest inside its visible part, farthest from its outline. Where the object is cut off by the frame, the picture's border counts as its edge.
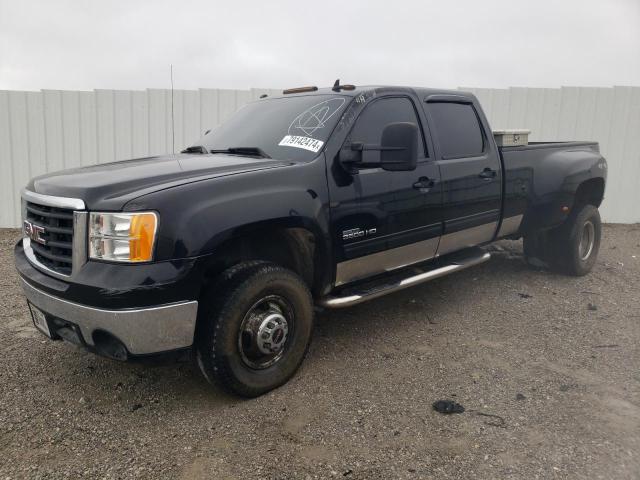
(265, 331)
(587, 240)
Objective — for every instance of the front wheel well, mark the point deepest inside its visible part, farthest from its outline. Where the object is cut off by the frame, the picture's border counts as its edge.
(294, 248)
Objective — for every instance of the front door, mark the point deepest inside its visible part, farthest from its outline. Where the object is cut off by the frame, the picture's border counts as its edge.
(471, 175)
(384, 220)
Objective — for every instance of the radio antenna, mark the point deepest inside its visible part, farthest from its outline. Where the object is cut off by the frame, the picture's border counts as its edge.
(173, 123)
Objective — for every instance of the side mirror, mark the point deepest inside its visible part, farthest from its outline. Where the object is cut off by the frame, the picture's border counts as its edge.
(399, 147)
(398, 150)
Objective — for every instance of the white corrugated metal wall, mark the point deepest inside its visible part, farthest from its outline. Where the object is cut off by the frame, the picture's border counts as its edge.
(51, 130)
(610, 116)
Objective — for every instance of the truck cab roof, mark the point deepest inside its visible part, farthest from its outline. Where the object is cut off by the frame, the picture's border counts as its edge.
(421, 92)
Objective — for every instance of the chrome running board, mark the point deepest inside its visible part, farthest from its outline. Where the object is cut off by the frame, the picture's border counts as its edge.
(373, 289)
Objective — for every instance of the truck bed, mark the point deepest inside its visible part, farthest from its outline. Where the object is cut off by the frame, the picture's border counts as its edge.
(538, 178)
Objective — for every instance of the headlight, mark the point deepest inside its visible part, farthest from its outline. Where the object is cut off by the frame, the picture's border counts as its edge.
(122, 237)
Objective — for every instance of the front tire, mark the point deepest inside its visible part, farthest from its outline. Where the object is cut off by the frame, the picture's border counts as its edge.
(255, 328)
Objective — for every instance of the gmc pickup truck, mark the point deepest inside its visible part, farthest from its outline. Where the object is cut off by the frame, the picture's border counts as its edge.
(314, 198)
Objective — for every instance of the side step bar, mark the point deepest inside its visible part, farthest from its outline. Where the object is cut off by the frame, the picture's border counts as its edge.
(354, 295)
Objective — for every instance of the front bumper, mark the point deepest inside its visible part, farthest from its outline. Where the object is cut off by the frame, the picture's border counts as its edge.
(148, 308)
(142, 331)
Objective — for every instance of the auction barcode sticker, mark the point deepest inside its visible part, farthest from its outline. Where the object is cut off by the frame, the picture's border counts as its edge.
(307, 143)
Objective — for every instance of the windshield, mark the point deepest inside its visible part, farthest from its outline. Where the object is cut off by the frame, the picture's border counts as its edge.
(290, 128)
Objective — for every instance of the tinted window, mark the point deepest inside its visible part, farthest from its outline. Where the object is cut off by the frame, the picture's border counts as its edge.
(457, 128)
(375, 117)
(288, 128)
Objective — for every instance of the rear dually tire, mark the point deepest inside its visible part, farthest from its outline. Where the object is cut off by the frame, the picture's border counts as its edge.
(577, 242)
(572, 248)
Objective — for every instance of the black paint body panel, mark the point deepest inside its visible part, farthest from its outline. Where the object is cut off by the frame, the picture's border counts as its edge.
(384, 200)
(541, 178)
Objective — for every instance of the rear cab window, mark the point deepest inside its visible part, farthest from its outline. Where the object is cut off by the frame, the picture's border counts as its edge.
(457, 129)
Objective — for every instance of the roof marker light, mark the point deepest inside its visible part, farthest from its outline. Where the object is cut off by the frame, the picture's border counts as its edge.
(337, 87)
(300, 90)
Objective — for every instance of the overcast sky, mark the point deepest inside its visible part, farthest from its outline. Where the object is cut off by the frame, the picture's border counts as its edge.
(86, 44)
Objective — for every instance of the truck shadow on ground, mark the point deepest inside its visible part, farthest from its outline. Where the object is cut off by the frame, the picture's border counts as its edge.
(427, 300)
(100, 381)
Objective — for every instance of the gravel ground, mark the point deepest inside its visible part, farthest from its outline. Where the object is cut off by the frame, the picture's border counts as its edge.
(546, 366)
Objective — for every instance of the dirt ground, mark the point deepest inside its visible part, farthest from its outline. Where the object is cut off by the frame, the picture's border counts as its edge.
(547, 367)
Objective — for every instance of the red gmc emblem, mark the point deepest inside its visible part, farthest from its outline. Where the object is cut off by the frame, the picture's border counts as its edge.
(34, 232)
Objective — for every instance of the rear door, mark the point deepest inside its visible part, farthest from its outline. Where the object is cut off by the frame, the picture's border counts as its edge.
(470, 172)
(384, 220)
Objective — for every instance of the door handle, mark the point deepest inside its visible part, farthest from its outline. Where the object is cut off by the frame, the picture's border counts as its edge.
(488, 174)
(424, 182)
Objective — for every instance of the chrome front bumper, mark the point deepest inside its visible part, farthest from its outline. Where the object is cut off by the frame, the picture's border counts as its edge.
(142, 331)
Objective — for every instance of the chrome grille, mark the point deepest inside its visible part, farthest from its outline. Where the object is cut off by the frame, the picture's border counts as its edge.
(56, 253)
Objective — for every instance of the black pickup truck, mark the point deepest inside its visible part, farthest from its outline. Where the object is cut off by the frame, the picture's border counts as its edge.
(325, 197)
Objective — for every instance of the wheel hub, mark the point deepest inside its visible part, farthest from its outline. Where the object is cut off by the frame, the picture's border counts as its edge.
(272, 333)
(587, 240)
(265, 331)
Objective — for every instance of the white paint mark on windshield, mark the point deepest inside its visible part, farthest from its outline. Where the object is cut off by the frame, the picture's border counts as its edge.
(315, 118)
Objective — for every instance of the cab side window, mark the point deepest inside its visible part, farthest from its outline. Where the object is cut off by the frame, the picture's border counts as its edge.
(376, 116)
(458, 129)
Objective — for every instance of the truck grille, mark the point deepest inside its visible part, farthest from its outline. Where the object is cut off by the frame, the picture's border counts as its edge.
(57, 251)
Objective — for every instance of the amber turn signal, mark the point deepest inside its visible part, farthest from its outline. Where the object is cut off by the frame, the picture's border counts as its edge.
(141, 237)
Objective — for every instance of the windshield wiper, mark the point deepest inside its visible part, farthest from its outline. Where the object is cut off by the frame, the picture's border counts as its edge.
(195, 149)
(249, 151)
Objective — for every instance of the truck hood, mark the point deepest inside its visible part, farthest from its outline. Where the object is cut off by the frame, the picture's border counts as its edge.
(110, 186)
